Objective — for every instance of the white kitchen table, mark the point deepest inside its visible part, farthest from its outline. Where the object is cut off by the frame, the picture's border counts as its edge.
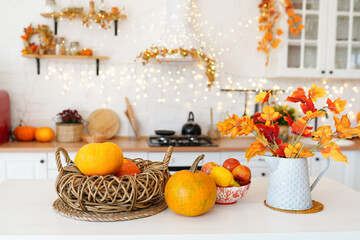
(26, 213)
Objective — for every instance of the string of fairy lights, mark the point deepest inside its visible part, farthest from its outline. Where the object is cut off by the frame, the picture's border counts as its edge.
(173, 82)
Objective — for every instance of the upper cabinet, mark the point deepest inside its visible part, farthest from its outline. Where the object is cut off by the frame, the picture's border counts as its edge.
(328, 47)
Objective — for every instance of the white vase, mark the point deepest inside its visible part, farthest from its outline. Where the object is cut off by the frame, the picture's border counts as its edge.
(289, 187)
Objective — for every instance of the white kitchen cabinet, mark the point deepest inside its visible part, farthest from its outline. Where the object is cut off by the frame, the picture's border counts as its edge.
(23, 166)
(329, 46)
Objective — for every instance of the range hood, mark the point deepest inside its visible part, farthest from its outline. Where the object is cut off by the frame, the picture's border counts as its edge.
(179, 31)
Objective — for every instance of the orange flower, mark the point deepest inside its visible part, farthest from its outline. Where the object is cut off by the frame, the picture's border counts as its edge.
(294, 31)
(337, 106)
(275, 43)
(25, 37)
(300, 128)
(323, 134)
(279, 32)
(316, 92)
(333, 150)
(263, 97)
(256, 148)
(297, 18)
(269, 115)
(301, 27)
(268, 36)
(343, 128)
(290, 22)
(290, 13)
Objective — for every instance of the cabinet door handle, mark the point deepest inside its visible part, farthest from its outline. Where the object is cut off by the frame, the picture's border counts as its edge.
(323, 71)
(317, 159)
(42, 161)
(263, 174)
(331, 72)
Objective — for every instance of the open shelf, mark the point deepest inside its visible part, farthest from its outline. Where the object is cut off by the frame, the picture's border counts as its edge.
(38, 57)
(56, 16)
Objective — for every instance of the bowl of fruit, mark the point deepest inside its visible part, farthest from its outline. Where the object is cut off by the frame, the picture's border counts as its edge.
(232, 180)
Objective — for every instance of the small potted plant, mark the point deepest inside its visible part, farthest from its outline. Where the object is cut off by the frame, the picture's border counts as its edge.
(69, 126)
(284, 128)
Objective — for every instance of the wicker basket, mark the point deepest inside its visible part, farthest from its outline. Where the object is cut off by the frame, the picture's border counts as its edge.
(110, 194)
(69, 132)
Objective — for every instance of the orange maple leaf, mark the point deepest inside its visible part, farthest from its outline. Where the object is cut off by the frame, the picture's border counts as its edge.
(316, 92)
(337, 106)
(297, 96)
(297, 18)
(300, 128)
(310, 114)
(333, 150)
(323, 134)
(279, 32)
(269, 115)
(343, 128)
(256, 148)
(297, 151)
(263, 97)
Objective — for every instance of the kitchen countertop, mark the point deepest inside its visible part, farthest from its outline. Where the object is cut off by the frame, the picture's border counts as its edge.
(26, 213)
(225, 144)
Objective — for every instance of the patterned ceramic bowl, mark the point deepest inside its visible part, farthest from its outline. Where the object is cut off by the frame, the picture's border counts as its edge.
(230, 195)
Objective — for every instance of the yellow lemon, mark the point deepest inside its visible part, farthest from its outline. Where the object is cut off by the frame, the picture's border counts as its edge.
(223, 177)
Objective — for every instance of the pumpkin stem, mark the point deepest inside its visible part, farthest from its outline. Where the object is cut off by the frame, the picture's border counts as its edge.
(196, 162)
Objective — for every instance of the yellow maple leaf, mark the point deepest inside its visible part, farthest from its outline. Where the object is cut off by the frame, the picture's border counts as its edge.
(256, 148)
(343, 128)
(323, 134)
(316, 92)
(310, 114)
(333, 150)
(262, 97)
(269, 115)
(297, 151)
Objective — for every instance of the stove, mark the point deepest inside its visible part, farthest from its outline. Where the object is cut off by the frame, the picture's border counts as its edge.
(180, 141)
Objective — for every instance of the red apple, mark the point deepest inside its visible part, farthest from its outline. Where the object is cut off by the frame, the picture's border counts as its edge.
(231, 163)
(242, 174)
(208, 167)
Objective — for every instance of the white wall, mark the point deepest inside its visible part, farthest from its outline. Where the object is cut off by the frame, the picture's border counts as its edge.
(229, 27)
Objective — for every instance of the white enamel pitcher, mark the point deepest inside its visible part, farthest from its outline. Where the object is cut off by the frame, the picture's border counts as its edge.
(289, 187)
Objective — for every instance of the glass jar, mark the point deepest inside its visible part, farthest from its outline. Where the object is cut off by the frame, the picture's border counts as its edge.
(51, 7)
(74, 49)
(60, 48)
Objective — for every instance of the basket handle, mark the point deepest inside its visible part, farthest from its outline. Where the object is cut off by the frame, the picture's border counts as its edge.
(58, 157)
(167, 157)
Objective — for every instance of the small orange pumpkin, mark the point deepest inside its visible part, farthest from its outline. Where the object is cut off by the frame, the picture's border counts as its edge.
(128, 168)
(190, 192)
(24, 133)
(44, 134)
(99, 159)
(86, 52)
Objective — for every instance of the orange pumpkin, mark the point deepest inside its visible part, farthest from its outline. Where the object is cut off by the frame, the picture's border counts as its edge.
(86, 52)
(99, 159)
(128, 168)
(24, 133)
(44, 134)
(190, 192)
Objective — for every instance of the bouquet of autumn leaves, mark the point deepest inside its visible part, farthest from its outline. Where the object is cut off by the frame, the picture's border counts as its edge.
(265, 127)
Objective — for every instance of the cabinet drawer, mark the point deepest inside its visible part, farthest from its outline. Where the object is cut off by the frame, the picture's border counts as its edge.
(185, 158)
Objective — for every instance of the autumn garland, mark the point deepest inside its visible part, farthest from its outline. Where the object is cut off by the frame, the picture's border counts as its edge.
(46, 38)
(152, 53)
(267, 21)
(266, 130)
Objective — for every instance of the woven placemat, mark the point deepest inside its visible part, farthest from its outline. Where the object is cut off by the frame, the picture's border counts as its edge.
(63, 209)
(317, 207)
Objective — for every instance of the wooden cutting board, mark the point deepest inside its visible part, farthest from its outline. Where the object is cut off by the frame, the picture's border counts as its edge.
(104, 122)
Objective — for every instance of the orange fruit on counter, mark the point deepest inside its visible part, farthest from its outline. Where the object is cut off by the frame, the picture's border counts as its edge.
(99, 159)
(86, 52)
(128, 168)
(190, 192)
(44, 134)
(25, 133)
(242, 174)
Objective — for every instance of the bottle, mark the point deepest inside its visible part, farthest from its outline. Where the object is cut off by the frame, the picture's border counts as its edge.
(102, 7)
(74, 48)
(60, 48)
(51, 7)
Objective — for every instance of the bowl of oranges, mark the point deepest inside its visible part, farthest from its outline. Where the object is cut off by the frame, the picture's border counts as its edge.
(232, 180)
